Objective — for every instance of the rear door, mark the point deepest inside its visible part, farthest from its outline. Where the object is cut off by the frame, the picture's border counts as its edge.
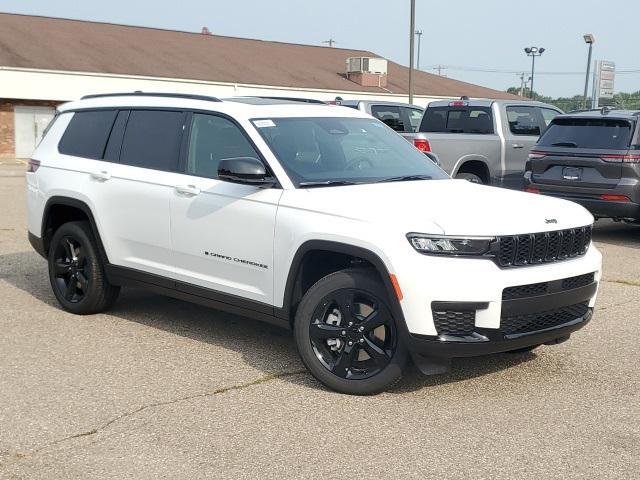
(132, 197)
(582, 152)
(523, 127)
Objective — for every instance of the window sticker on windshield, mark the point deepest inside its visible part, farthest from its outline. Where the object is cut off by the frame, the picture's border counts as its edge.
(264, 123)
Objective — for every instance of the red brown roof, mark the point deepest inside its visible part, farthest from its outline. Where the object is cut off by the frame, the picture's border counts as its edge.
(74, 45)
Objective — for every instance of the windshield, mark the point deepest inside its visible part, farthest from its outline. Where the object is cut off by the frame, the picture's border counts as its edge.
(347, 150)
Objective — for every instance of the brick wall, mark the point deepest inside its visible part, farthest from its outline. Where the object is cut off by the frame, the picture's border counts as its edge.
(7, 125)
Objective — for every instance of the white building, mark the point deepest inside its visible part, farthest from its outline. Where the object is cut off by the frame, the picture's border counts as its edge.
(45, 61)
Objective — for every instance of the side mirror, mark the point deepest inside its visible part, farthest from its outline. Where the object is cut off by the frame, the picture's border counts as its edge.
(433, 157)
(247, 170)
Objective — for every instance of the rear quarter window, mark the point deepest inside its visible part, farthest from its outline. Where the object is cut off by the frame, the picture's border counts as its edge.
(87, 133)
(596, 133)
(458, 120)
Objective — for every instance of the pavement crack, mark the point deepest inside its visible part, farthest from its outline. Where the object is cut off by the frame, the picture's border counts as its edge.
(18, 456)
(632, 283)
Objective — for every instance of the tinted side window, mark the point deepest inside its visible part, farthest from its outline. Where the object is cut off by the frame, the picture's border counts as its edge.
(152, 139)
(457, 120)
(548, 115)
(389, 115)
(87, 133)
(415, 115)
(523, 120)
(212, 139)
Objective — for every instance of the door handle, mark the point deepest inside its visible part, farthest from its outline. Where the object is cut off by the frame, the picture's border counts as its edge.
(188, 190)
(102, 175)
(517, 145)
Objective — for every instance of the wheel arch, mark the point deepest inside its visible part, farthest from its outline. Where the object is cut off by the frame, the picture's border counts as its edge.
(59, 210)
(293, 291)
(474, 164)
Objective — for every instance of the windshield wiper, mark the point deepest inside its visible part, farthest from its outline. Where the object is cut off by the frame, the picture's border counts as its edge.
(404, 178)
(565, 144)
(326, 183)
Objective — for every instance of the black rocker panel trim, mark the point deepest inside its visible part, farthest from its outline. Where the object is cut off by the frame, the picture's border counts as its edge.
(37, 244)
(124, 276)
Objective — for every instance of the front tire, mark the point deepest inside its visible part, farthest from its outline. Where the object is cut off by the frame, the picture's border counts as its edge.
(76, 271)
(346, 334)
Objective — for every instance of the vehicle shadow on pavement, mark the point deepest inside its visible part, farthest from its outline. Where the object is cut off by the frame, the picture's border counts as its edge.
(262, 346)
(618, 233)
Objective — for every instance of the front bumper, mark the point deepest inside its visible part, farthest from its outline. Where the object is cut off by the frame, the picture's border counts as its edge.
(480, 283)
(493, 342)
(538, 323)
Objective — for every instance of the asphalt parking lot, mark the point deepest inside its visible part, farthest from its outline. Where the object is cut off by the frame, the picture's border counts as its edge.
(158, 388)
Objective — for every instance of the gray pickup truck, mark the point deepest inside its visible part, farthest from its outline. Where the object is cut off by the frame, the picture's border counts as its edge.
(484, 141)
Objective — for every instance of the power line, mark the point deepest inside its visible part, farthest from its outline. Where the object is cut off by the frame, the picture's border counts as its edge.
(517, 72)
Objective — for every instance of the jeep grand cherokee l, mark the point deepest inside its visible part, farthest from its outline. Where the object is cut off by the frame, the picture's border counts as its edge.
(313, 217)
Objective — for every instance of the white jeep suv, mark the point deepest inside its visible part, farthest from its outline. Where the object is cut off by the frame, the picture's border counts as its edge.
(314, 217)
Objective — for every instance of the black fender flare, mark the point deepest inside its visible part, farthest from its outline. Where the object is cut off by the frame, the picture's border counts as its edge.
(75, 203)
(347, 249)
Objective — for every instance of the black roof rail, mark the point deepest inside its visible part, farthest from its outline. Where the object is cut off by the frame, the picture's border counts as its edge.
(295, 99)
(153, 94)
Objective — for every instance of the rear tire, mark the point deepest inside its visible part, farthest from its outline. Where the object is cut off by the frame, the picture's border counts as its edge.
(76, 271)
(470, 177)
(346, 335)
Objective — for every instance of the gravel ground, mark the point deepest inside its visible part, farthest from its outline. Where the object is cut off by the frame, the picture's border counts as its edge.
(161, 388)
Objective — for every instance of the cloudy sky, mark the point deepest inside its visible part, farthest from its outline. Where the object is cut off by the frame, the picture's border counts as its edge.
(479, 41)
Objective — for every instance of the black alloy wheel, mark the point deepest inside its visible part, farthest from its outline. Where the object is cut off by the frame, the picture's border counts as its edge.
(346, 333)
(72, 275)
(353, 334)
(76, 270)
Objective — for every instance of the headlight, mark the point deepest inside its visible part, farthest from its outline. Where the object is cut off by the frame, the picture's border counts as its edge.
(440, 245)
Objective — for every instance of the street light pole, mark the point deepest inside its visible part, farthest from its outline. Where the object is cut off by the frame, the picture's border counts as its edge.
(419, 35)
(412, 29)
(533, 52)
(588, 38)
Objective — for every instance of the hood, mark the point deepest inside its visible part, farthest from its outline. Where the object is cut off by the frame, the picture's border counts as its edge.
(449, 207)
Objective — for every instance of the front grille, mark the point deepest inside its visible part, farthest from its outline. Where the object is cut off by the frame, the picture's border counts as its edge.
(450, 322)
(535, 248)
(532, 322)
(542, 288)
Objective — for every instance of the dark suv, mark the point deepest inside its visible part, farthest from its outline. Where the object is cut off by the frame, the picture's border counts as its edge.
(592, 158)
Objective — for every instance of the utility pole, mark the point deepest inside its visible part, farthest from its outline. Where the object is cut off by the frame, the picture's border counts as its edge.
(412, 29)
(590, 40)
(419, 35)
(523, 83)
(439, 68)
(330, 42)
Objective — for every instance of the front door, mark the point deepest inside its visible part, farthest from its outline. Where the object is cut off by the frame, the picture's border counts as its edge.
(521, 134)
(222, 232)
